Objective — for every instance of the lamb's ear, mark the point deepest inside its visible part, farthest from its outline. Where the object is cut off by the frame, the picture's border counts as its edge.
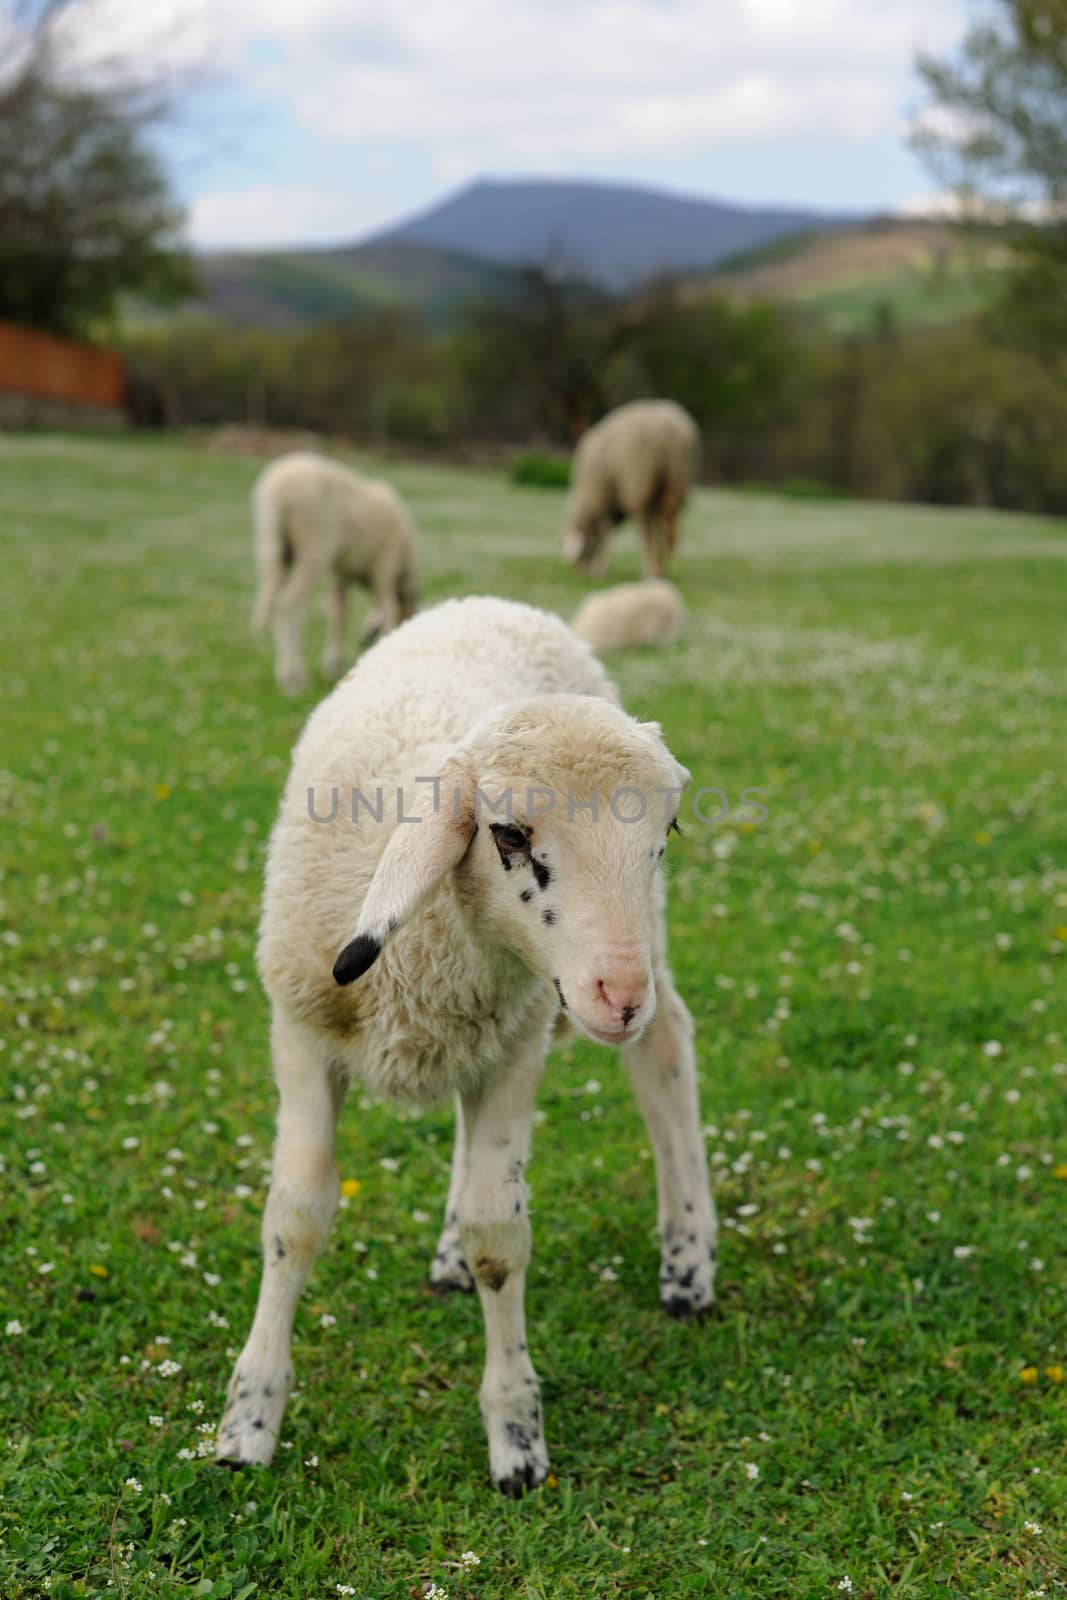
(434, 838)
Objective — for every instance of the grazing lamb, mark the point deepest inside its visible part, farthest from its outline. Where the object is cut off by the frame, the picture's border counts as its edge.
(650, 612)
(314, 517)
(435, 955)
(638, 461)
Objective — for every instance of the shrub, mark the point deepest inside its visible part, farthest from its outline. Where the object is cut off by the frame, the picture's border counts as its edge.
(539, 471)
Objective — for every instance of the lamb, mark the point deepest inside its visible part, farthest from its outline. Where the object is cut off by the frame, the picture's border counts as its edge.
(312, 517)
(638, 461)
(466, 856)
(651, 612)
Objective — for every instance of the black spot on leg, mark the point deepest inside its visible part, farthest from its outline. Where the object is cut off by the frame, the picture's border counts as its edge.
(279, 1248)
(562, 996)
(548, 917)
(259, 1423)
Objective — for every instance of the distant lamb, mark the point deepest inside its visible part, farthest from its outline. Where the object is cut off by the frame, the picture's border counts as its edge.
(639, 461)
(436, 956)
(314, 517)
(631, 614)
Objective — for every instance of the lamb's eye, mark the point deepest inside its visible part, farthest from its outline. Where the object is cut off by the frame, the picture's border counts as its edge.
(511, 841)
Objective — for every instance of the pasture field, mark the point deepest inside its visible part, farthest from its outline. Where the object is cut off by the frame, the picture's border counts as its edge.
(878, 976)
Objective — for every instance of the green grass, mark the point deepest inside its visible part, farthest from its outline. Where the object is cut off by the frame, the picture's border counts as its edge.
(877, 976)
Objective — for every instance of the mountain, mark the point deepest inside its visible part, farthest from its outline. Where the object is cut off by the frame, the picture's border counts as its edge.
(617, 235)
(295, 288)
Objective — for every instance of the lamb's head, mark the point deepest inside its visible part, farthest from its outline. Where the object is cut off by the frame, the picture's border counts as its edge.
(552, 818)
(585, 532)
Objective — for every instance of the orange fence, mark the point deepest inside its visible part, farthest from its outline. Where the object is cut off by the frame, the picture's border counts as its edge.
(34, 363)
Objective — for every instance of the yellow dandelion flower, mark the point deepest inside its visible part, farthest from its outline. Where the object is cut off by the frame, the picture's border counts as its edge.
(350, 1187)
(1028, 1375)
(99, 1271)
(981, 837)
(162, 791)
(1060, 1171)
(1060, 933)
(552, 1482)
(1054, 1374)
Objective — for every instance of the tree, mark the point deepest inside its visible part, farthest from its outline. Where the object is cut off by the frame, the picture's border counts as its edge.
(86, 210)
(996, 130)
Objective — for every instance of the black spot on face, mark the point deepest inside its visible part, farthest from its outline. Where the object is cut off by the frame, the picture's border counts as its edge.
(562, 996)
(548, 918)
(541, 873)
(526, 896)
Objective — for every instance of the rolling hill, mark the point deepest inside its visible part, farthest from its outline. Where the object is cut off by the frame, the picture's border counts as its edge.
(907, 270)
(296, 288)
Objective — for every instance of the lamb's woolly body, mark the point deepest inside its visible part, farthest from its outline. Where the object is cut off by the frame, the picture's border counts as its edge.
(438, 1006)
(631, 614)
(456, 942)
(314, 518)
(638, 461)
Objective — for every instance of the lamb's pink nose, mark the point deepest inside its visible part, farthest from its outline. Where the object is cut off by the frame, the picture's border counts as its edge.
(624, 996)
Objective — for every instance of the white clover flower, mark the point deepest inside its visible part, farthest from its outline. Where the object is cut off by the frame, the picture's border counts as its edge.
(154, 1420)
(14, 1328)
(751, 1471)
(468, 1561)
(327, 1320)
(134, 1486)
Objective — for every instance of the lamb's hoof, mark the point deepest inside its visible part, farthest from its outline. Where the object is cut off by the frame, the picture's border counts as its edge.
(255, 1404)
(521, 1481)
(295, 682)
(444, 1287)
(685, 1309)
(518, 1459)
(449, 1272)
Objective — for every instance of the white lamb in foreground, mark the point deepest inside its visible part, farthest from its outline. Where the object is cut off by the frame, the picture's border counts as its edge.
(631, 614)
(315, 518)
(435, 956)
(639, 461)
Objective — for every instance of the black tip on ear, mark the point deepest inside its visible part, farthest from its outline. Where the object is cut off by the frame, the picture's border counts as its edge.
(355, 958)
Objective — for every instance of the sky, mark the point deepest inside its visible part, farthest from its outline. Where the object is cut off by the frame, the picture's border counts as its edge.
(322, 121)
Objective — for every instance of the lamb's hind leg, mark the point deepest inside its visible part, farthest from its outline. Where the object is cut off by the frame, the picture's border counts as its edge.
(495, 1231)
(449, 1269)
(300, 1208)
(663, 1074)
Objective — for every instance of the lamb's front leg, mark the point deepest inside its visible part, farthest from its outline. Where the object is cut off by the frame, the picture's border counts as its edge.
(663, 1075)
(449, 1270)
(300, 1207)
(494, 1229)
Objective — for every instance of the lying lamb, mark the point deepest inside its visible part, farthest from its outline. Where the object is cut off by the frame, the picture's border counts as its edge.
(638, 461)
(436, 956)
(313, 517)
(631, 614)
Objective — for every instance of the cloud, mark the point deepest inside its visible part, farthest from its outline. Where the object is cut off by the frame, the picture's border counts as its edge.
(450, 88)
(277, 214)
